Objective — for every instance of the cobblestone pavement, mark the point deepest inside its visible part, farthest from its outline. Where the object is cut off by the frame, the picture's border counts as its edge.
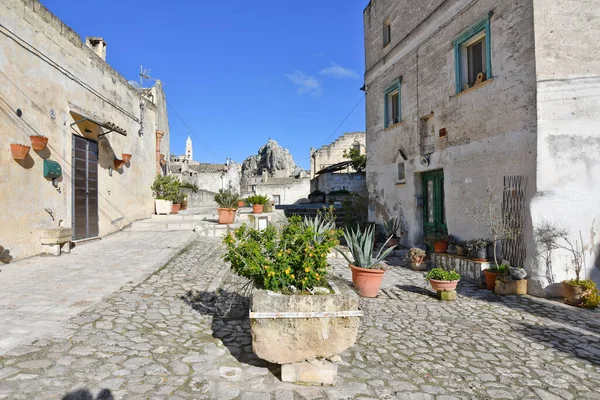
(39, 294)
(166, 338)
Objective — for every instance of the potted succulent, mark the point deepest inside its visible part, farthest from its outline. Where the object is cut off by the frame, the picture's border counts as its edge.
(288, 267)
(19, 151)
(391, 227)
(438, 241)
(492, 273)
(227, 199)
(258, 202)
(477, 249)
(417, 258)
(38, 142)
(164, 188)
(367, 271)
(443, 280)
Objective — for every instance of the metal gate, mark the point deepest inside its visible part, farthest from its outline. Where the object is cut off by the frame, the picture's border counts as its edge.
(85, 188)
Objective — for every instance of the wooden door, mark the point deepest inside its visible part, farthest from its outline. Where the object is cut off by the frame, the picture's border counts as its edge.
(85, 188)
(434, 212)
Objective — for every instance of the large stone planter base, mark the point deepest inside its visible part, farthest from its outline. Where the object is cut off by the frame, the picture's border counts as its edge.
(445, 295)
(310, 373)
(510, 287)
(56, 240)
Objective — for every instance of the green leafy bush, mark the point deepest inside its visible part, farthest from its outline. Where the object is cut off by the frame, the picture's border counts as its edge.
(167, 188)
(356, 210)
(227, 198)
(276, 260)
(440, 274)
(591, 296)
(188, 185)
(358, 161)
(258, 199)
(392, 226)
(499, 269)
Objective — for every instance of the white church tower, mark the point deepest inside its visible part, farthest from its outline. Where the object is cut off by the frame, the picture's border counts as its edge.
(188, 149)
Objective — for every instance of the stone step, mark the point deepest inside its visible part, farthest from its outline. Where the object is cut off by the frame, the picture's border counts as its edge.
(178, 218)
(214, 230)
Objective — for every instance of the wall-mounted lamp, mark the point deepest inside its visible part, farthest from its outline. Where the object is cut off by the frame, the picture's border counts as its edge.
(110, 171)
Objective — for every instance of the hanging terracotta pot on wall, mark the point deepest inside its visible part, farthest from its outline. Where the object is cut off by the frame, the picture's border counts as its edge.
(118, 163)
(126, 157)
(38, 142)
(19, 151)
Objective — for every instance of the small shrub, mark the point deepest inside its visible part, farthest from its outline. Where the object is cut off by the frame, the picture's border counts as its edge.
(591, 296)
(440, 274)
(258, 199)
(499, 269)
(227, 198)
(277, 260)
(356, 210)
(167, 188)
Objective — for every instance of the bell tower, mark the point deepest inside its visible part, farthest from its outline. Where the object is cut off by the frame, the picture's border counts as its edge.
(188, 148)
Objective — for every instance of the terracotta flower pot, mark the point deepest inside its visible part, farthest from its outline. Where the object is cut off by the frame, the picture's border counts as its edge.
(393, 242)
(126, 157)
(441, 246)
(226, 215)
(38, 142)
(184, 205)
(118, 164)
(175, 208)
(443, 286)
(573, 294)
(241, 203)
(258, 208)
(367, 281)
(19, 151)
(490, 279)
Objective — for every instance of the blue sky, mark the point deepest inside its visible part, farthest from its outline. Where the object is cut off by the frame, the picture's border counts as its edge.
(238, 72)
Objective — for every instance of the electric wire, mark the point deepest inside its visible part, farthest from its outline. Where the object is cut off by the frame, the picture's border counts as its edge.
(344, 120)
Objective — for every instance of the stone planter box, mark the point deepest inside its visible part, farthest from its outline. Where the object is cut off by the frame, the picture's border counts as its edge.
(55, 240)
(290, 329)
(470, 270)
(506, 286)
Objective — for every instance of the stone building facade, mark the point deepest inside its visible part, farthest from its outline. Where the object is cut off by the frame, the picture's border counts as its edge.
(468, 93)
(333, 152)
(53, 84)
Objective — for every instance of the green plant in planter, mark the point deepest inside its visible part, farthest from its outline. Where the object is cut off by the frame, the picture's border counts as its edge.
(360, 245)
(591, 295)
(227, 198)
(499, 269)
(167, 188)
(391, 226)
(258, 199)
(440, 274)
(435, 237)
(277, 260)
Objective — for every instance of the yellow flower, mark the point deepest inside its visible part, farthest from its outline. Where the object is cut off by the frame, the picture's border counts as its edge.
(317, 275)
(266, 267)
(287, 271)
(318, 278)
(279, 254)
(306, 269)
(292, 276)
(288, 251)
(310, 255)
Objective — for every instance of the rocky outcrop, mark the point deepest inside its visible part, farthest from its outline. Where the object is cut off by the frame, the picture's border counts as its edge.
(277, 161)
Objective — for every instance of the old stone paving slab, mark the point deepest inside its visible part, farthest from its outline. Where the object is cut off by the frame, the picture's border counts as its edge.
(39, 295)
(173, 336)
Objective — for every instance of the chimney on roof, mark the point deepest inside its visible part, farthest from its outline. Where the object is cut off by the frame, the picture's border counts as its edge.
(98, 45)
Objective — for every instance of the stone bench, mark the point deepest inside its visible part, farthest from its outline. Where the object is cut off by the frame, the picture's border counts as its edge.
(56, 240)
(470, 270)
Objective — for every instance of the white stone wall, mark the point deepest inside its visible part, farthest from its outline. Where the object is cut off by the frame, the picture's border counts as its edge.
(333, 153)
(567, 53)
(289, 194)
(45, 66)
(490, 129)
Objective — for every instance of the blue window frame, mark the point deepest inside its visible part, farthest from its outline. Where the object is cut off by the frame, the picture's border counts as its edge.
(391, 102)
(473, 55)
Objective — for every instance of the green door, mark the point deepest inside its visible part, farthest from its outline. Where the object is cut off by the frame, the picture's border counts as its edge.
(434, 213)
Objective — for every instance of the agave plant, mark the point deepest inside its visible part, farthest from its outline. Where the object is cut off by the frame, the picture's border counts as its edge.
(319, 226)
(360, 245)
(391, 226)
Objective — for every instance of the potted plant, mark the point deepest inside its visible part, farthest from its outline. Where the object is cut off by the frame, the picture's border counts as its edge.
(513, 283)
(241, 203)
(288, 268)
(177, 198)
(227, 199)
(438, 241)
(163, 188)
(19, 151)
(478, 249)
(38, 142)
(367, 271)
(443, 280)
(258, 202)
(492, 273)
(451, 245)
(391, 227)
(461, 248)
(417, 258)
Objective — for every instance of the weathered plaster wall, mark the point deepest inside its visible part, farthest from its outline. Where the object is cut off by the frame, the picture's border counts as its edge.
(333, 153)
(290, 193)
(44, 66)
(490, 129)
(567, 35)
(353, 182)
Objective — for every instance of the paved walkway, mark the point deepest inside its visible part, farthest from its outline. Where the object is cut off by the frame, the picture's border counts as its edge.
(39, 295)
(169, 338)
